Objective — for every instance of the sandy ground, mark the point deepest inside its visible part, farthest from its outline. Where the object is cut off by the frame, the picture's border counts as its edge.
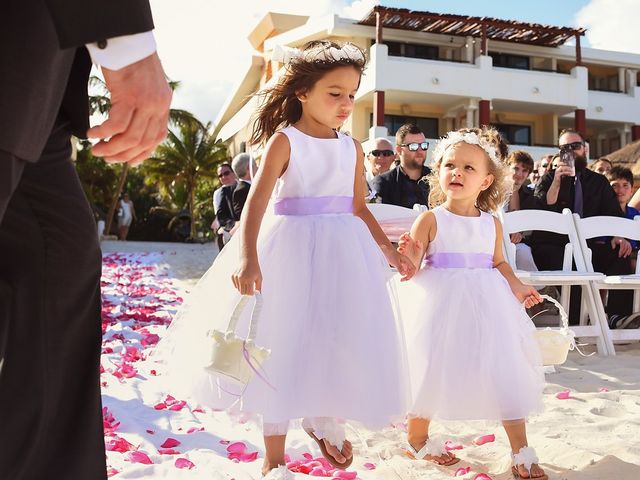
(593, 434)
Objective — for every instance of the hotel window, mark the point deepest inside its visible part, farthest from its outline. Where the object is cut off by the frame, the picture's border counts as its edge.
(429, 126)
(510, 61)
(514, 134)
(412, 50)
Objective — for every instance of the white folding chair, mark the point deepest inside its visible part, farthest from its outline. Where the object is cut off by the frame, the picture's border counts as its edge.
(594, 227)
(561, 223)
(393, 219)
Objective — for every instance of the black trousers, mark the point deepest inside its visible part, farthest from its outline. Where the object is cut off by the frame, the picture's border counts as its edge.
(50, 333)
(605, 260)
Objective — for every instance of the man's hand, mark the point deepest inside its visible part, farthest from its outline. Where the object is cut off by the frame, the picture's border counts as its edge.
(624, 245)
(563, 170)
(137, 123)
(516, 237)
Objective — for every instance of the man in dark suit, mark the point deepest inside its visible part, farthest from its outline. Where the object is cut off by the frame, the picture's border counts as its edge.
(588, 194)
(50, 261)
(244, 167)
(406, 185)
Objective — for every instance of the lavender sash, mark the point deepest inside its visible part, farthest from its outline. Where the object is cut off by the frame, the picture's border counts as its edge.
(459, 260)
(313, 205)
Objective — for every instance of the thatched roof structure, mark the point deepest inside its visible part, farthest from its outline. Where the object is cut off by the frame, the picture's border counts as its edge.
(628, 156)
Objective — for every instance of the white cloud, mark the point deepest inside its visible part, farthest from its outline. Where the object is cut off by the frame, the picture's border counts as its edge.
(203, 43)
(612, 25)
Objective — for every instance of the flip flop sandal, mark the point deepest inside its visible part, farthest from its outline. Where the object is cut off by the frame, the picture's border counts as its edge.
(325, 453)
(526, 457)
(434, 449)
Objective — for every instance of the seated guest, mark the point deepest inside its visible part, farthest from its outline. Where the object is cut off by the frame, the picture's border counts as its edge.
(601, 166)
(405, 185)
(588, 194)
(235, 195)
(379, 160)
(522, 198)
(534, 176)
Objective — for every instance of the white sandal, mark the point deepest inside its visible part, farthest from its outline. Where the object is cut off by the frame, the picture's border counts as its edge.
(526, 457)
(433, 448)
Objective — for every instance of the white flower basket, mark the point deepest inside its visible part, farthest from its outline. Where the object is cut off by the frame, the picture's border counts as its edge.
(555, 343)
(232, 356)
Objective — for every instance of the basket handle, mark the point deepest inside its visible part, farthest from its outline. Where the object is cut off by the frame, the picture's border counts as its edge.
(255, 314)
(563, 313)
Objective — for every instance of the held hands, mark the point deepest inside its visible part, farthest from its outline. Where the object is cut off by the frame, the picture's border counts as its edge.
(403, 264)
(410, 247)
(624, 244)
(247, 278)
(137, 123)
(527, 294)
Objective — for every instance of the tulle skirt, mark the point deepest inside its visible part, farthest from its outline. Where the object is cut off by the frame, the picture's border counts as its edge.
(470, 347)
(328, 318)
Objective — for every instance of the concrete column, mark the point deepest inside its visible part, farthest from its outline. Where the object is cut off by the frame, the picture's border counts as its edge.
(378, 108)
(580, 121)
(484, 112)
(622, 80)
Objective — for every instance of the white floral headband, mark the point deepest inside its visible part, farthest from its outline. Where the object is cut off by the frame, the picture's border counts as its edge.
(348, 51)
(471, 138)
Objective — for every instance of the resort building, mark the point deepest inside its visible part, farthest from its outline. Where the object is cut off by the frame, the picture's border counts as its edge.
(450, 71)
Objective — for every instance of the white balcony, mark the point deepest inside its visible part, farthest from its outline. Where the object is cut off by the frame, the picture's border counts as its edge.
(556, 91)
(615, 107)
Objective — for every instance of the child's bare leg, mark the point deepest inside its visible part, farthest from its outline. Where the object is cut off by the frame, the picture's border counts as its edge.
(417, 435)
(517, 433)
(332, 433)
(275, 435)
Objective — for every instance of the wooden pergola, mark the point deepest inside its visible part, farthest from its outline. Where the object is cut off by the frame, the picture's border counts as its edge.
(485, 28)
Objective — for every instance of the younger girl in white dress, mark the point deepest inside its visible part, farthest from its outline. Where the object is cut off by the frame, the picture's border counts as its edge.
(470, 344)
(321, 263)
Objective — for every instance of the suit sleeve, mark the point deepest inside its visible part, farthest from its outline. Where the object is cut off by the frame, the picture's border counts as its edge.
(541, 190)
(78, 22)
(225, 215)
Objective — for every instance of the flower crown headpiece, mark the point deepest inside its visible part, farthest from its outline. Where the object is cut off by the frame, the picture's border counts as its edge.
(471, 138)
(318, 53)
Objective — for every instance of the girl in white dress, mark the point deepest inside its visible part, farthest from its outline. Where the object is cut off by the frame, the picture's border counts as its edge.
(470, 344)
(321, 262)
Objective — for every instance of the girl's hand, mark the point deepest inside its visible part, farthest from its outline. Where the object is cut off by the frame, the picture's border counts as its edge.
(405, 267)
(247, 276)
(408, 246)
(527, 294)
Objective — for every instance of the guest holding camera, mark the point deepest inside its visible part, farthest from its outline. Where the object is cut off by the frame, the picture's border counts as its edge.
(572, 185)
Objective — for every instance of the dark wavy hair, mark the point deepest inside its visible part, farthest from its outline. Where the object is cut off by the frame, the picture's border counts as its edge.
(279, 104)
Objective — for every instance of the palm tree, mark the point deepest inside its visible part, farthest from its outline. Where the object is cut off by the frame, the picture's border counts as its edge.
(188, 156)
(100, 102)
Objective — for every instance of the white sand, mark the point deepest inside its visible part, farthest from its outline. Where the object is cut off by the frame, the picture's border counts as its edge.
(592, 435)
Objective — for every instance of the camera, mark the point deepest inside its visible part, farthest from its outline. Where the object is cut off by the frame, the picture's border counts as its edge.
(568, 156)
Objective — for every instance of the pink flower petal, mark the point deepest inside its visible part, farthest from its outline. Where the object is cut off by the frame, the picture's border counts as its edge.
(237, 447)
(482, 476)
(603, 389)
(318, 472)
(369, 466)
(168, 451)
(160, 406)
(118, 444)
(195, 429)
(563, 395)
(345, 475)
(461, 472)
(184, 463)
(112, 471)
(170, 443)
(139, 457)
(225, 442)
(449, 445)
(484, 439)
(248, 457)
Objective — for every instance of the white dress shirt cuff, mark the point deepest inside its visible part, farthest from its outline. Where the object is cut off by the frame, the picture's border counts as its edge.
(118, 52)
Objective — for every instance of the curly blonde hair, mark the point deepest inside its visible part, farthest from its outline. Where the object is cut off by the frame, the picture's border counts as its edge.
(491, 199)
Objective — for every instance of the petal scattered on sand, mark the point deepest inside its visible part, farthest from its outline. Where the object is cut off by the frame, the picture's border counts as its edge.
(484, 439)
(563, 395)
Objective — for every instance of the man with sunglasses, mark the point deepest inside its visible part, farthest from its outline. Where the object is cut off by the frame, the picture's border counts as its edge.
(588, 194)
(380, 158)
(405, 185)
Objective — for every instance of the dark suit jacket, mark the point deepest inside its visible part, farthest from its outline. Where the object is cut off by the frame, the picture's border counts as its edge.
(240, 194)
(598, 199)
(225, 215)
(45, 65)
(396, 188)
